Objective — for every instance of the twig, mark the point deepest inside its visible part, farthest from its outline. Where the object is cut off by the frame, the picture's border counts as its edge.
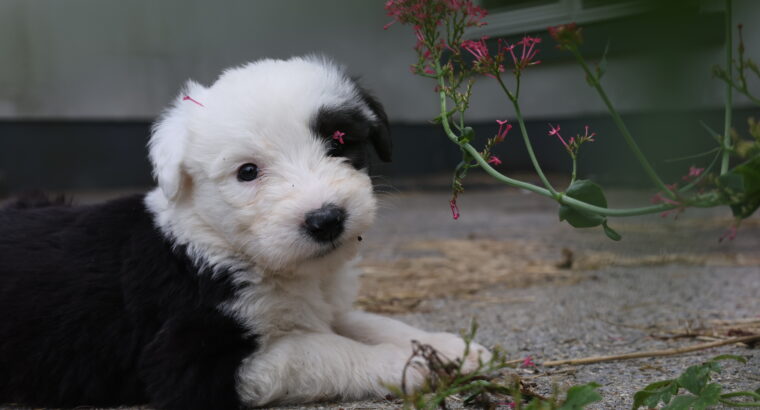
(734, 322)
(654, 353)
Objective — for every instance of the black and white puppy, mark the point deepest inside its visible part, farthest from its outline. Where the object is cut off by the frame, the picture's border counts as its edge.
(228, 285)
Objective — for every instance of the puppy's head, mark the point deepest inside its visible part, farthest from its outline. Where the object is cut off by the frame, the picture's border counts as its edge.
(270, 162)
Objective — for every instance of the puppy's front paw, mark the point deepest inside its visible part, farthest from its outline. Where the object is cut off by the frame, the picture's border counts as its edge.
(452, 347)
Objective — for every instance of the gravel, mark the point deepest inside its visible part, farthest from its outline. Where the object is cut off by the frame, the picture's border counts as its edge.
(605, 311)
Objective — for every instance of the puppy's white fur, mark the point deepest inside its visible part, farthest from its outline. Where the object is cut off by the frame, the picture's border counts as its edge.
(314, 346)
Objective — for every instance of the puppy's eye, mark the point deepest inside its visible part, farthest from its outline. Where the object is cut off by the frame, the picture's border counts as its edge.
(247, 172)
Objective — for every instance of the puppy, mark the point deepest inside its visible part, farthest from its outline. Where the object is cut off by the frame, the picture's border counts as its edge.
(229, 284)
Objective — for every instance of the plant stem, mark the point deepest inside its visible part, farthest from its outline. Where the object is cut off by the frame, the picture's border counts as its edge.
(621, 125)
(750, 97)
(526, 138)
(560, 198)
(575, 163)
(688, 157)
(729, 92)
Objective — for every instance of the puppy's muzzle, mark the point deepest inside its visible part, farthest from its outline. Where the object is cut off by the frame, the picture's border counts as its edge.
(326, 223)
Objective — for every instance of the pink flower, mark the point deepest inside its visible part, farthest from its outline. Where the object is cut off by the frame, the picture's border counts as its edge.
(566, 35)
(730, 234)
(188, 98)
(475, 14)
(494, 160)
(555, 131)
(337, 135)
(659, 198)
(426, 12)
(528, 362)
(477, 48)
(418, 34)
(454, 209)
(694, 172)
(454, 4)
(527, 54)
(589, 137)
(503, 130)
(675, 212)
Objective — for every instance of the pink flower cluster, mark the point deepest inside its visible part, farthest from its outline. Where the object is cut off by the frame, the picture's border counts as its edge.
(527, 54)
(425, 52)
(501, 134)
(433, 12)
(454, 208)
(493, 64)
(566, 35)
(660, 198)
(528, 362)
(730, 233)
(574, 143)
(493, 160)
(504, 128)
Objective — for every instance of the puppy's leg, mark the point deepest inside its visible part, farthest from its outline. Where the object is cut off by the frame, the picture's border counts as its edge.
(372, 329)
(307, 367)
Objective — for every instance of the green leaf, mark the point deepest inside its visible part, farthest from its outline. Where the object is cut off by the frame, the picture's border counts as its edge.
(611, 233)
(750, 170)
(751, 394)
(655, 393)
(709, 396)
(589, 192)
(741, 186)
(578, 397)
(467, 135)
(538, 404)
(681, 403)
(695, 378)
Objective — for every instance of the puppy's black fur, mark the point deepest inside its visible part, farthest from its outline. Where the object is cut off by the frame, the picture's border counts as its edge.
(360, 131)
(98, 308)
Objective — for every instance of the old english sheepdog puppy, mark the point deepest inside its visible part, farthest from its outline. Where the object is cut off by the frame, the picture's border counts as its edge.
(229, 285)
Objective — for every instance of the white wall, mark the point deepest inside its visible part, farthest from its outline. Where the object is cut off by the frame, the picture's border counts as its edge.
(107, 59)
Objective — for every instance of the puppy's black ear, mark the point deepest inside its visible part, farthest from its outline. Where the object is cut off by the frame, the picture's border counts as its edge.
(380, 133)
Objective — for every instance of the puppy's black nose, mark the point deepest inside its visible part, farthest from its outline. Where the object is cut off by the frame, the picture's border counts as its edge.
(326, 223)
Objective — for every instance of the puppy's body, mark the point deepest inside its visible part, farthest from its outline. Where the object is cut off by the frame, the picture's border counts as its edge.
(230, 283)
(98, 309)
